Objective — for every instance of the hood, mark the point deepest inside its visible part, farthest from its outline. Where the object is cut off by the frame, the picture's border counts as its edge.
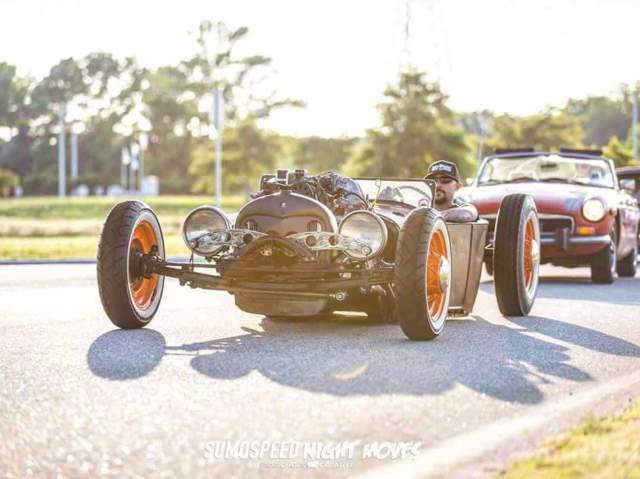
(284, 213)
(551, 198)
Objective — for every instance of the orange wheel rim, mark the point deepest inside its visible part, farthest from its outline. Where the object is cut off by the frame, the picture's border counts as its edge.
(529, 237)
(436, 296)
(142, 289)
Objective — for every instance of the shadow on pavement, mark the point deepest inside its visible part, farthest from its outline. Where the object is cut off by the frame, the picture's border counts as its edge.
(353, 357)
(578, 335)
(624, 291)
(126, 354)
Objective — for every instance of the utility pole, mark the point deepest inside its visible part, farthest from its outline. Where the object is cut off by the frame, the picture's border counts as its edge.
(634, 125)
(407, 33)
(62, 162)
(217, 118)
(480, 148)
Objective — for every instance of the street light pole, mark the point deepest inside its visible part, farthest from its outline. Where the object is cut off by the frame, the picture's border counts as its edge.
(125, 159)
(143, 140)
(62, 162)
(135, 154)
(74, 155)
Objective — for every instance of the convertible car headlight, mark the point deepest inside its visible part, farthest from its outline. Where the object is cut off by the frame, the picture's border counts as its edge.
(366, 227)
(593, 209)
(198, 229)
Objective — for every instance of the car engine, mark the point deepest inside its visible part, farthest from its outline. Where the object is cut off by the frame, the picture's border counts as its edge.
(339, 193)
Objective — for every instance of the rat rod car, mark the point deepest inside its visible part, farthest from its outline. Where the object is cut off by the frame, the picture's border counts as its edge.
(306, 245)
(585, 218)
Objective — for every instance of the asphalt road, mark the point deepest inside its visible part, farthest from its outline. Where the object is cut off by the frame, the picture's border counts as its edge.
(81, 398)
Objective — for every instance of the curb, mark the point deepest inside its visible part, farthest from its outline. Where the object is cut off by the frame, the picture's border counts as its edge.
(494, 444)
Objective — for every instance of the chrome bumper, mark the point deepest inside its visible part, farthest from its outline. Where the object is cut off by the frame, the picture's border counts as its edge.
(563, 240)
(559, 242)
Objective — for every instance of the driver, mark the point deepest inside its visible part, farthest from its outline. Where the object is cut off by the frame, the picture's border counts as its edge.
(445, 174)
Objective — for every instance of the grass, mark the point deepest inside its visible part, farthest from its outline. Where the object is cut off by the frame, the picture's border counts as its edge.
(54, 228)
(604, 447)
(97, 207)
(34, 228)
(73, 247)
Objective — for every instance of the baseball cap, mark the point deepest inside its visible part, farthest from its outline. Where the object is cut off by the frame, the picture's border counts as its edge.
(443, 168)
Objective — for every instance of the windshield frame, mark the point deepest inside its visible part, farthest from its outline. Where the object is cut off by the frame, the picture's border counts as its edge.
(429, 183)
(534, 154)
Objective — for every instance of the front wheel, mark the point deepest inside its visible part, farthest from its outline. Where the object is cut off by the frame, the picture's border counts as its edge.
(603, 263)
(627, 266)
(516, 255)
(129, 295)
(422, 275)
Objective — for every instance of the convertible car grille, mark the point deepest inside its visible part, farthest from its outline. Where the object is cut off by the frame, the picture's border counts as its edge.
(550, 225)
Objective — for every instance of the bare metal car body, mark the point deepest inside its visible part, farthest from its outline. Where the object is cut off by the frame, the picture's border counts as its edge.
(308, 245)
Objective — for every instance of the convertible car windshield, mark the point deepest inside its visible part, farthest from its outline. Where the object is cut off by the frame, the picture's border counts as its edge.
(412, 192)
(547, 168)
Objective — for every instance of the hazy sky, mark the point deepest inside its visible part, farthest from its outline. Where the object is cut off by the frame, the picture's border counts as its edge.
(338, 55)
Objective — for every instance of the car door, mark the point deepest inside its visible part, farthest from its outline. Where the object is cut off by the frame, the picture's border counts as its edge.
(629, 213)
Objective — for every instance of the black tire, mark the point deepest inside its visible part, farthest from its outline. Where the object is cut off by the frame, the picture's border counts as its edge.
(603, 263)
(627, 266)
(516, 255)
(488, 266)
(423, 233)
(128, 297)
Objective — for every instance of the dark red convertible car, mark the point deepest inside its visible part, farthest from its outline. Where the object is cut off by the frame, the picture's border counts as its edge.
(586, 219)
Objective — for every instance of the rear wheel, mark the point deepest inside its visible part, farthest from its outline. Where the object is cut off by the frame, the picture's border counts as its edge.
(627, 266)
(422, 274)
(603, 263)
(516, 255)
(129, 296)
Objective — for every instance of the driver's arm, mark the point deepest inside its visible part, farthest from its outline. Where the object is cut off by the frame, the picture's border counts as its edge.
(460, 214)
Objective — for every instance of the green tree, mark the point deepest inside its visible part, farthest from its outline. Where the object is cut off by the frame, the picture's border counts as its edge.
(248, 153)
(548, 130)
(16, 112)
(242, 78)
(318, 154)
(8, 181)
(172, 112)
(601, 117)
(417, 128)
(116, 100)
(100, 91)
(619, 152)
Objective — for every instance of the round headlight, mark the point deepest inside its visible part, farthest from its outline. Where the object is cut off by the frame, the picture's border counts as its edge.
(593, 209)
(366, 227)
(198, 227)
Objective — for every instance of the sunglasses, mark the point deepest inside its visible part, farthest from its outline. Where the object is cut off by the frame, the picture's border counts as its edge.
(443, 180)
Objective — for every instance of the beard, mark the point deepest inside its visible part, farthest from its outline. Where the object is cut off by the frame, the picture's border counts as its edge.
(440, 198)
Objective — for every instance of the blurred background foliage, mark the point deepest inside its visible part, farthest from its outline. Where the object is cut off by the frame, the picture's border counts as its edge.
(116, 99)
